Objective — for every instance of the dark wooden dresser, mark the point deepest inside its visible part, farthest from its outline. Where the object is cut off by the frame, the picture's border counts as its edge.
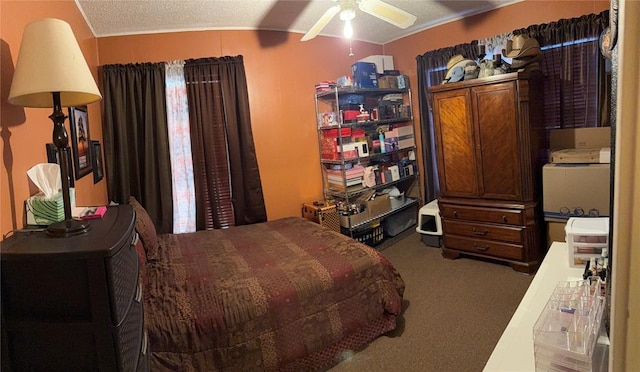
(74, 304)
(489, 136)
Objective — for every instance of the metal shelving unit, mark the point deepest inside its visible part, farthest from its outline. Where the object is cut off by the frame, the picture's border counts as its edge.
(336, 135)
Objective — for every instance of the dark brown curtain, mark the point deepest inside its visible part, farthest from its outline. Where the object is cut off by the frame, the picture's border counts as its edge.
(432, 68)
(135, 138)
(576, 81)
(225, 166)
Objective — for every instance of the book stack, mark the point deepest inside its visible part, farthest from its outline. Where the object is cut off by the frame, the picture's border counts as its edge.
(345, 179)
(324, 86)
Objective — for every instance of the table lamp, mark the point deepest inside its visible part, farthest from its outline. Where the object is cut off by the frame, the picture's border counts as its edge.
(52, 72)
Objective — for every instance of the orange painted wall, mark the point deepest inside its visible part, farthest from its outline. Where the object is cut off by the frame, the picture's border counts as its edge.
(26, 131)
(281, 72)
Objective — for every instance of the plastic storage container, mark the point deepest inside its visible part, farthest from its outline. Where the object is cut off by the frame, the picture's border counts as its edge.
(586, 237)
(569, 327)
(399, 222)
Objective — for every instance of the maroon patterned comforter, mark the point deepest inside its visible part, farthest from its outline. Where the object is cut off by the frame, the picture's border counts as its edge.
(281, 295)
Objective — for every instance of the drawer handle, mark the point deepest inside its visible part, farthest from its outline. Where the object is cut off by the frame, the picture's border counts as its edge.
(145, 341)
(455, 214)
(480, 233)
(504, 219)
(139, 293)
(135, 239)
(482, 249)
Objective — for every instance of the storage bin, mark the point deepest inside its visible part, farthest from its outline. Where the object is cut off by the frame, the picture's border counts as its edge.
(371, 236)
(399, 222)
(586, 238)
(353, 219)
(567, 331)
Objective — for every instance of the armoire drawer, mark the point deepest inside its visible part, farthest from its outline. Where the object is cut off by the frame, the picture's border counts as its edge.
(505, 233)
(482, 214)
(484, 247)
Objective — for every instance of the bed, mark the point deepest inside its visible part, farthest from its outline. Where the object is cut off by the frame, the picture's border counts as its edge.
(282, 295)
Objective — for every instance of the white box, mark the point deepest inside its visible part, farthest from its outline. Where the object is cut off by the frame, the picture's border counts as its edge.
(395, 172)
(382, 62)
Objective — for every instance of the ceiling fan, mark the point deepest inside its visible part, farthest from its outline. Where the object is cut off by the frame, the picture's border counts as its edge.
(347, 10)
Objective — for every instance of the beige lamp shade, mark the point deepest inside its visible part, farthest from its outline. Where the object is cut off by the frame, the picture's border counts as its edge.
(50, 61)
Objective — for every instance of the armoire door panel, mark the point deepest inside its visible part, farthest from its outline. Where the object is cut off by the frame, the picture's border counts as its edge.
(495, 111)
(455, 141)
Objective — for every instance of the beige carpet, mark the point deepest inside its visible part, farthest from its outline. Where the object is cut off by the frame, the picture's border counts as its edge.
(454, 312)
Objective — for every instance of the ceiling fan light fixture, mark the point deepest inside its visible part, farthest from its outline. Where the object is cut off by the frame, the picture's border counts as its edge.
(347, 11)
(348, 29)
(347, 14)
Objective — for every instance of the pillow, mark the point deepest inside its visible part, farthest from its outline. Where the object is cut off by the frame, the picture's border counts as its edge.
(145, 228)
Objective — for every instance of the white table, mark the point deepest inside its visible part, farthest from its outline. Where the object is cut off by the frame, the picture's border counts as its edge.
(514, 351)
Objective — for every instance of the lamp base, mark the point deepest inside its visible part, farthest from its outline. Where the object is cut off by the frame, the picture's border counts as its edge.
(67, 228)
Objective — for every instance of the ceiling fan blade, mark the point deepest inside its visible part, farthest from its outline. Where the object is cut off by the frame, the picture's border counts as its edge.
(387, 12)
(326, 17)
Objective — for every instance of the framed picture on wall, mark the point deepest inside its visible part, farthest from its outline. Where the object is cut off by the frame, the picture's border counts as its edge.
(96, 157)
(52, 157)
(80, 141)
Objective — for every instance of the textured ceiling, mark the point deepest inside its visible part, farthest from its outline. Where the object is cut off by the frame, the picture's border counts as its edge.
(127, 17)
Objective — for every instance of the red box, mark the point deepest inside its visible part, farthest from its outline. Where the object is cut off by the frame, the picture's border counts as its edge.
(358, 133)
(333, 133)
(329, 149)
(350, 154)
(350, 115)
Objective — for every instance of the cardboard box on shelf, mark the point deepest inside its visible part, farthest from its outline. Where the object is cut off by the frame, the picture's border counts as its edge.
(574, 190)
(380, 205)
(388, 82)
(372, 209)
(354, 219)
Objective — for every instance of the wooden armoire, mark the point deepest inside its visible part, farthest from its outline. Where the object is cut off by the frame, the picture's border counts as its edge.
(490, 148)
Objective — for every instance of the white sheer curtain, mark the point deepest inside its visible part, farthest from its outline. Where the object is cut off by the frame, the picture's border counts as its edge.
(184, 202)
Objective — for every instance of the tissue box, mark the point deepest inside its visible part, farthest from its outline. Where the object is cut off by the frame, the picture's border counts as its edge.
(44, 211)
